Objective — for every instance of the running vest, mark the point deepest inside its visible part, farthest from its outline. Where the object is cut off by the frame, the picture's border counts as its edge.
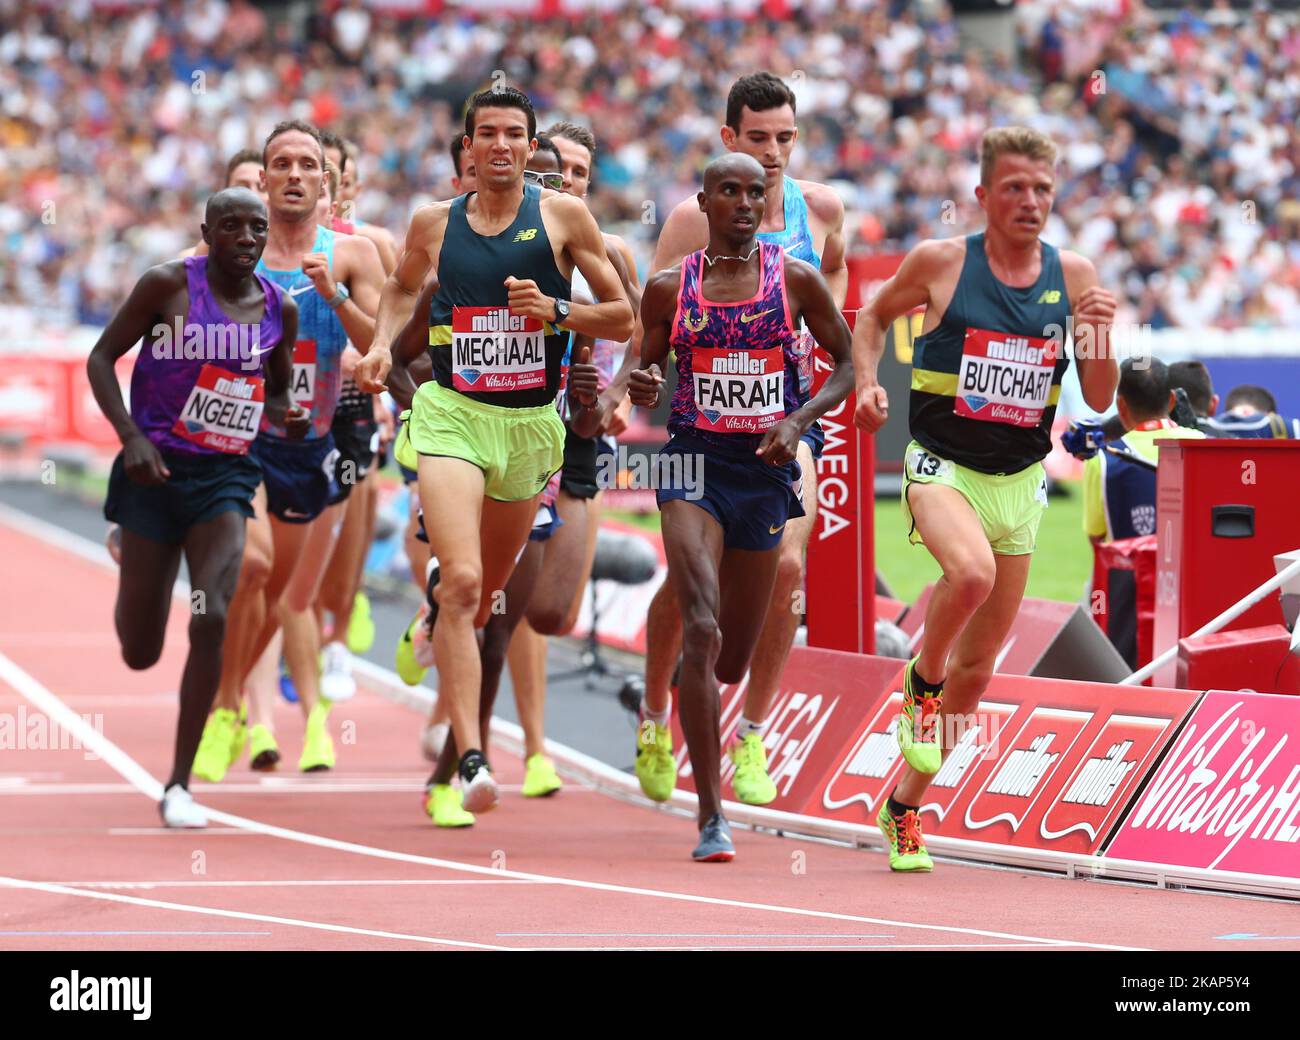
(321, 339)
(199, 390)
(478, 347)
(737, 363)
(797, 241)
(986, 379)
(1128, 495)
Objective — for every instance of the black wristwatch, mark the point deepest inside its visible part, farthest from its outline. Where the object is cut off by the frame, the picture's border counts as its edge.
(561, 312)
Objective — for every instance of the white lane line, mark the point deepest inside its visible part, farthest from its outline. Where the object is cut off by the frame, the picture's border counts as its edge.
(17, 786)
(346, 882)
(126, 767)
(212, 911)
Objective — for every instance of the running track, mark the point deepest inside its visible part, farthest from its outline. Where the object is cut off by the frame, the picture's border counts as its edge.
(347, 860)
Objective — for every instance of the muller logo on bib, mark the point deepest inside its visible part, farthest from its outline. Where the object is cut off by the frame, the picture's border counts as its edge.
(738, 391)
(494, 350)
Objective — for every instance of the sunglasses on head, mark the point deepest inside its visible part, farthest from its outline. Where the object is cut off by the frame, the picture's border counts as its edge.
(554, 181)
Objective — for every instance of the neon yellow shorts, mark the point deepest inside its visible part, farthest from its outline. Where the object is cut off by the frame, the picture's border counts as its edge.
(1010, 507)
(516, 448)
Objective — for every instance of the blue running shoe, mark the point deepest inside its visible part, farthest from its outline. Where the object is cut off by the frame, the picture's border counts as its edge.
(715, 842)
(287, 689)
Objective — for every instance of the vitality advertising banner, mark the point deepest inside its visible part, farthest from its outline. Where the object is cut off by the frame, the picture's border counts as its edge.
(1041, 763)
(1227, 795)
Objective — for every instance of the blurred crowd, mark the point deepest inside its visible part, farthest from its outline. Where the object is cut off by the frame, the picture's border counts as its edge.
(1179, 131)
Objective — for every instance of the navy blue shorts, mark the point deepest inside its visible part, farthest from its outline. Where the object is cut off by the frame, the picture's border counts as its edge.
(815, 438)
(546, 524)
(199, 488)
(750, 499)
(299, 475)
(358, 443)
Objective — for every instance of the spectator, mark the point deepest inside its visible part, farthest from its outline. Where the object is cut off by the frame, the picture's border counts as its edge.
(1251, 411)
(1119, 493)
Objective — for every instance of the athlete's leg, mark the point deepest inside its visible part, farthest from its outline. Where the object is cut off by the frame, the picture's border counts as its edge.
(561, 571)
(589, 557)
(261, 685)
(287, 542)
(693, 545)
(527, 660)
(247, 612)
(955, 537)
(971, 665)
(302, 638)
(213, 551)
(663, 638)
(745, 581)
(782, 621)
(342, 578)
(417, 552)
(144, 597)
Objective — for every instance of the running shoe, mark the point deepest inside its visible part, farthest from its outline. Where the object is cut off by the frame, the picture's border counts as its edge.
(336, 682)
(715, 842)
(361, 626)
(219, 740)
(906, 842)
(263, 751)
(317, 745)
(445, 808)
(414, 648)
(432, 740)
(479, 790)
(288, 688)
(540, 778)
(919, 742)
(240, 740)
(179, 809)
(751, 783)
(656, 768)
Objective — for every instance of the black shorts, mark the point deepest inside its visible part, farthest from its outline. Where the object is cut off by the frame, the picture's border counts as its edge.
(357, 441)
(199, 488)
(578, 474)
(299, 475)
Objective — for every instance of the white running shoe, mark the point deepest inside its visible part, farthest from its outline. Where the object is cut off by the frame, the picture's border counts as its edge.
(180, 810)
(432, 740)
(481, 793)
(422, 640)
(336, 682)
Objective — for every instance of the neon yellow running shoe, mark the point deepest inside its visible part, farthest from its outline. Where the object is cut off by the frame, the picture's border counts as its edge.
(317, 745)
(540, 778)
(920, 749)
(655, 766)
(412, 648)
(751, 783)
(263, 751)
(240, 740)
(444, 807)
(361, 626)
(219, 740)
(906, 842)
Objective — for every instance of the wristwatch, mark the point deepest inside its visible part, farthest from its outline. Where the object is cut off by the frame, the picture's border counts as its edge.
(340, 297)
(561, 312)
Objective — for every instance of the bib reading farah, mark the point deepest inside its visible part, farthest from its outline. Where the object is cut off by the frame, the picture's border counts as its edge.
(478, 347)
(986, 379)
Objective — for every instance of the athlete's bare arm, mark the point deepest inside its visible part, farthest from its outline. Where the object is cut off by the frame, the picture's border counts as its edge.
(583, 244)
(398, 296)
(913, 285)
(1093, 311)
(658, 305)
(279, 375)
(828, 208)
(810, 298)
(412, 345)
(362, 271)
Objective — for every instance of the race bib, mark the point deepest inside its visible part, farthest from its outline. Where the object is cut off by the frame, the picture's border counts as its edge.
(302, 391)
(222, 412)
(493, 350)
(921, 464)
(738, 391)
(1005, 378)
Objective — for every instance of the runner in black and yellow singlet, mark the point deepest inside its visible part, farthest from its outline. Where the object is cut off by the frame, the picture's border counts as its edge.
(485, 429)
(986, 377)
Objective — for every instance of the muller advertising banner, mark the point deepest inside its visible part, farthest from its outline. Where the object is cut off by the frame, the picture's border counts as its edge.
(1227, 795)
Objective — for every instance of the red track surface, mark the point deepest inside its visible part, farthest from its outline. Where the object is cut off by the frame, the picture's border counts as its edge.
(580, 870)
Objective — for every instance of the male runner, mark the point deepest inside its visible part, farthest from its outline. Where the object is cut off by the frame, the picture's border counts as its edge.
(986, 376)
(336, 281)
(485, 428)
(184, 481)
(244, 170)
(730, 312)
(807, 220)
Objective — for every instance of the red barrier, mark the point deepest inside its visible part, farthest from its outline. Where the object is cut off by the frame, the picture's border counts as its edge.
(49, 399)
(1254, 659)
(1227, 795)
(1043, 763)
(1138, 556)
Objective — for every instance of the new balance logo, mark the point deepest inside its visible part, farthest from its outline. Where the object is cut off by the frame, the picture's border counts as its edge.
(1050, 296)
(526, 235)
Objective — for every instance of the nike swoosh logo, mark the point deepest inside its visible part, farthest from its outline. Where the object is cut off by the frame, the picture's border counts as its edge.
(745, 319)
(300, 290)
(774, 530)
(293, 514)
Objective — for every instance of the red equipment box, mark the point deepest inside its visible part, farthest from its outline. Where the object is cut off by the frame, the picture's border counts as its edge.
(1254, 659)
